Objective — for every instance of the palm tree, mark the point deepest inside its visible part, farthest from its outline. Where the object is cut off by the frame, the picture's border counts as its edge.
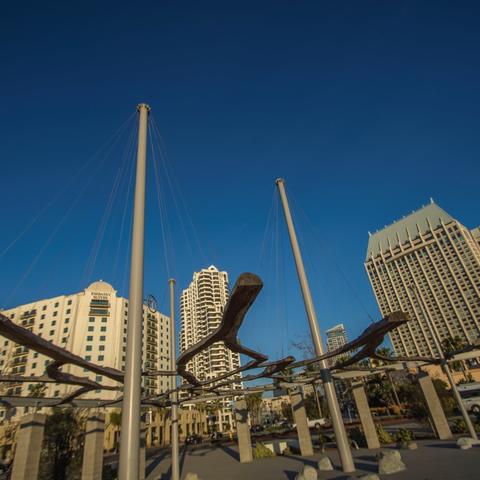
(254, 403)
(451, 345)
(38, 390)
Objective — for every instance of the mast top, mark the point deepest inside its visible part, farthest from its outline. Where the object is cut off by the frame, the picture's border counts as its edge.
(279, 180)
(143, 105)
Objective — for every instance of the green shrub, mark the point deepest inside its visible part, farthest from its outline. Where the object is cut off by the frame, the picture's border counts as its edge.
(459, 426)
(287, 451)
(383, 436)
(261, 451)
(404, 435)
(418, 410)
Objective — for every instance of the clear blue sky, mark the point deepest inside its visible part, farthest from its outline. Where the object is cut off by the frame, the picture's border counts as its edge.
(366, 108)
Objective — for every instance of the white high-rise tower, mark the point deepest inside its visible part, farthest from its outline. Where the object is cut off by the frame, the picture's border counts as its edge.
(201, 310)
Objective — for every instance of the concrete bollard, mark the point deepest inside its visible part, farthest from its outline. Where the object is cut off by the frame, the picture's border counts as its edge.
(29, 440)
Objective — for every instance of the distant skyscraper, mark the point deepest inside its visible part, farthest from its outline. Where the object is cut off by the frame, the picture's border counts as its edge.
(201, 309)
(437, 255)
(336, 338)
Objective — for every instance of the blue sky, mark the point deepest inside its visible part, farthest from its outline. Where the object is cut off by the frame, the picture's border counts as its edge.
(367, 109)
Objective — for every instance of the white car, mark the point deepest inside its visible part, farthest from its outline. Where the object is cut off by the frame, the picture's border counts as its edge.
(315, 423)
(470, 394)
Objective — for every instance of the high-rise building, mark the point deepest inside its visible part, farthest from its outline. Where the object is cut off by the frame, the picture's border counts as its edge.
(437, 256)
(476, 234)
(201, 310)
(93, 325)
(336, 338)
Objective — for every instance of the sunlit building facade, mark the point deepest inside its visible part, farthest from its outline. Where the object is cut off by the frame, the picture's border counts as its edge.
(432, 254)
(93, 325)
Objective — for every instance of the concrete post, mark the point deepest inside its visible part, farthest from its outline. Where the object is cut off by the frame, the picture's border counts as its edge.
(300, 418)
(434, 405)
(29, 439)
(363, 409)
(243, 432)
(93, 448)
(143, 451)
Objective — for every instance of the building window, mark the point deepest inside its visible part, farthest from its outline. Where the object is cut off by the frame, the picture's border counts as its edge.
(54, 322)
(55, 314)
(52, 332)
(103, 329)
(34, 365)
(101, 358)
(65, 330)
(89, 338)
(64, 340)
(88, 358)
(69, 302)
(42, 317)
(102, 338)
(40, 326)
(90, 328)
(104, 320)
(67, 320)
(88, 348)
(68, 310)
(101, 348)
(56, 305)
(44, 307)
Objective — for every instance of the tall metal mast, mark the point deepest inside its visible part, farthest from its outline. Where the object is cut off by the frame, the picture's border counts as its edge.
(174, 396)
(130, 433)
(330, 394)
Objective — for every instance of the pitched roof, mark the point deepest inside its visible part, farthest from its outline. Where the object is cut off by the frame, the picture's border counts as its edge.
(397, 233)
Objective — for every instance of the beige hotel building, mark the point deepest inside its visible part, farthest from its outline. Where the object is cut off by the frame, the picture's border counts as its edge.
(440, 257)
(93, 325)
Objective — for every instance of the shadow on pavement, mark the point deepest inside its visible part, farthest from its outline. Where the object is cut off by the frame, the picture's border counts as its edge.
(230, 451)
(168, 474)
(367, 458)
(441, 445)
(368, 467)
(153, 465)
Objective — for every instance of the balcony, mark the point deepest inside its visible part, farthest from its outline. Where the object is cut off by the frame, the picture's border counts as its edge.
(20, 351)
(98, 312)
(19, 360)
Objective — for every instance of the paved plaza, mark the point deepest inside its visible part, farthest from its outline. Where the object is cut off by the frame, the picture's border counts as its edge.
(435, 460)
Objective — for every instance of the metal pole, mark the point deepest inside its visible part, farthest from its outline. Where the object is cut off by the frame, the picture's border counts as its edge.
(330, 394)
(394, 390)
(314, 385)
(445, 366)
(130, 433)
(174, 395)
